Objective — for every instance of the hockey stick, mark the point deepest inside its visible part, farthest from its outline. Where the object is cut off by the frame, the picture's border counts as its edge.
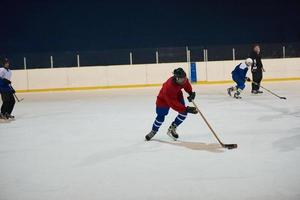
(19, 100)
(228, 146)
(268, 90)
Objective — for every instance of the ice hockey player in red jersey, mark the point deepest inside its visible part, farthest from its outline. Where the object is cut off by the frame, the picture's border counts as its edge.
(171, 96)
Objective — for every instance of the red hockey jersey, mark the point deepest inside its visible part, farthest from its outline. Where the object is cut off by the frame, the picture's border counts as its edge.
(170, 95)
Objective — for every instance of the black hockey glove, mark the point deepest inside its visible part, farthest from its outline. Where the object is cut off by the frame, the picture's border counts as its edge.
(13, 91)
(6, 81)
(247, 79)
(192, 110)
(192, 96)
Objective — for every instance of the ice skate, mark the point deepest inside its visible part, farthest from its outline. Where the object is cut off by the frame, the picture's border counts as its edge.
(150, 135)
(3, 117)
(9, 116)
(172, 132)
(229, 90)
(237, 95)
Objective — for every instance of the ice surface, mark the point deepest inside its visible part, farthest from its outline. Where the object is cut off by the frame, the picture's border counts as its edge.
(90, 145)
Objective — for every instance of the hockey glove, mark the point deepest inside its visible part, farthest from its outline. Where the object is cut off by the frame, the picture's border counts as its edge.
(247, 79)
(192, 110)
(13, 91)
(6, 81)
(192, 96)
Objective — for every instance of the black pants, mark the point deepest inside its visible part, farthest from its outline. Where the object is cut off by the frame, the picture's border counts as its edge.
(257, 77)
(8, 102)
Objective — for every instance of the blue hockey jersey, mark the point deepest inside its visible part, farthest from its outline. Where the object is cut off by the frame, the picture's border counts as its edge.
(5, 74)
(240, 71)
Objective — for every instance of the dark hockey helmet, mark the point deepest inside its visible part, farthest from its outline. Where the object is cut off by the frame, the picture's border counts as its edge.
(6, 62)
(179, 75)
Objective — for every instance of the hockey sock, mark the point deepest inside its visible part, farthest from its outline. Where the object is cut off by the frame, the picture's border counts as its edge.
(157, 123)
(179, 119)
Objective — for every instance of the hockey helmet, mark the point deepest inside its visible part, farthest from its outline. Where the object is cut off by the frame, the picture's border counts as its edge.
(248, 62)
(179, 75)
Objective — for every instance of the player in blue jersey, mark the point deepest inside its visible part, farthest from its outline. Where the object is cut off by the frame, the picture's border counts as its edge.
(239, 76)
(6, 91)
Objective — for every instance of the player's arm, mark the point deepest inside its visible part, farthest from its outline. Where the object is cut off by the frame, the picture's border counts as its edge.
(246, 78)
(5, 81)
(261, 65)
(2, 75)
(243, 75)
(173, 102)
(188, 88)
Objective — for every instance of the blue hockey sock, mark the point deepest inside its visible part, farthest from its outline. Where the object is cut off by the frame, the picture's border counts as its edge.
(180, 118)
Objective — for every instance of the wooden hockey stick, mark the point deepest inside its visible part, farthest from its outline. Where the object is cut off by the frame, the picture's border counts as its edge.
(19, 100)
(269, 90)
(16, 97)
(228, 146)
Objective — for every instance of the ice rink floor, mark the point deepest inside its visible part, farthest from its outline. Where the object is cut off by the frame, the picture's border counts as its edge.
(89, 145)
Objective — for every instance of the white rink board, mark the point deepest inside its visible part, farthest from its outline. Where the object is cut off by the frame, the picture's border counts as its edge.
(145, 74)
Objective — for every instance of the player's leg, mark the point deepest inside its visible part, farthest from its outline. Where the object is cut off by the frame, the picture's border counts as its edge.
(239, 88)
(2, 107)
(230, 90)
(233, 88)
(5, 104)
(259, 79)
(11, 105)
(255, 78)
(178, 120)
(160, 118)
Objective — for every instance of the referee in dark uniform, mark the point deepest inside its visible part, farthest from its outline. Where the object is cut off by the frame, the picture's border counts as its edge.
(257, 69)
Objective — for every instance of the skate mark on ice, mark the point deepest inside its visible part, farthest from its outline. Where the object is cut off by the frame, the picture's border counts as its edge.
(104, 156)
(287, 143)
(199, 146)
(280, 112)
(3, 121)
(268, 106)
(280, 116)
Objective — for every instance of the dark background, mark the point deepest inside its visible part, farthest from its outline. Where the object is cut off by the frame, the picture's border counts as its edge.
(44, 26)
(105, 32)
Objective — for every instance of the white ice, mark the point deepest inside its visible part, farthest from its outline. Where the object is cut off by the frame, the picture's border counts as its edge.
(89, 145)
